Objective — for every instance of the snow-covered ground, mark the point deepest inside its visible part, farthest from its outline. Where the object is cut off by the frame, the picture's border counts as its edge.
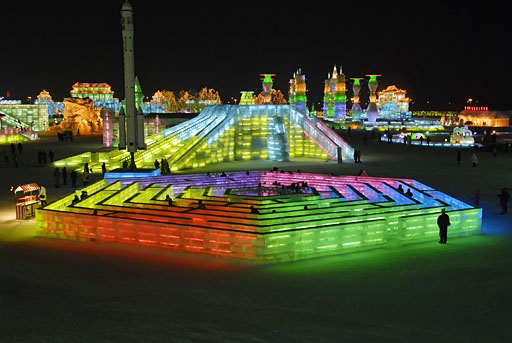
(66, 291)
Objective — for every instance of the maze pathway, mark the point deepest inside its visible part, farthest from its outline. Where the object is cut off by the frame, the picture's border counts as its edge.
(257, 216)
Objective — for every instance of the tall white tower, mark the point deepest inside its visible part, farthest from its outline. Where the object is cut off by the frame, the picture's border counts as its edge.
(134, 121)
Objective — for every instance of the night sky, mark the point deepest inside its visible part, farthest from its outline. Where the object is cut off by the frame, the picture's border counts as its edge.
(441, 52)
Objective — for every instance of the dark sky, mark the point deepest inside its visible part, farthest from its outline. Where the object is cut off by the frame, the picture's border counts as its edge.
(439, 52)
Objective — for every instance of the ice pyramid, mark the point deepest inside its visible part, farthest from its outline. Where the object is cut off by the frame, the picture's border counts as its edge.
(224, 133)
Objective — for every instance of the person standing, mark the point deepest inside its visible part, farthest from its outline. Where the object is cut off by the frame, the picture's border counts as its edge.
(459, 157)
(474, 159)
(50, 154)
(56, 177)
(20, 148)
(64, 176)
(85, 177)
(73, 175)
(42, 195)
(443, 221)
(168, 199)
(103, 169)
(504, 196)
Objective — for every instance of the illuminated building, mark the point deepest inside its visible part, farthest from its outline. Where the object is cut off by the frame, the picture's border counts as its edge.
(482, 116)
(356, 110)
(156, 105)
(100, 93)
(393, 104)
(335, 99)
(372, 111)
(43, 97)
(246, 98)
(331, 215)
(93, 91)
(298, 98)
(223, 133)
(55, 109)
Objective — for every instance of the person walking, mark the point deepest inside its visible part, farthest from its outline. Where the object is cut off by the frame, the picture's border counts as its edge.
(20, 148)
(73, 176)
(459, 157)
(64, 176)
(103, 169)
(474, 160)
(443, 221)
(50, 154)
(504, 196)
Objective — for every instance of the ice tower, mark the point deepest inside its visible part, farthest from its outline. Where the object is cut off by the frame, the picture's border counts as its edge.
(356, 106)
(372, 111)
(334, 96)
(298, 98)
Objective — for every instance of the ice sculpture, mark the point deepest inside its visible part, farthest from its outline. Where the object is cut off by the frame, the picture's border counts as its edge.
(462, 135)
(80, 117)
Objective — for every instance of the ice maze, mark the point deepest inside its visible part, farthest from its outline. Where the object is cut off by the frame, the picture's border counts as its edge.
(296, 215)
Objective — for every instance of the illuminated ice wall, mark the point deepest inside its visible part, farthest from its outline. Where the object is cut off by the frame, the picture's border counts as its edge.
(223, 133)
(34, 116)
(329, 215)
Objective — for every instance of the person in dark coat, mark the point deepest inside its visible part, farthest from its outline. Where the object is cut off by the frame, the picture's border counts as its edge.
(56, 177)
(73, 175)
(504, 196)
(459, 157)
(64, 176)
(168, 199)
(443, 221)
